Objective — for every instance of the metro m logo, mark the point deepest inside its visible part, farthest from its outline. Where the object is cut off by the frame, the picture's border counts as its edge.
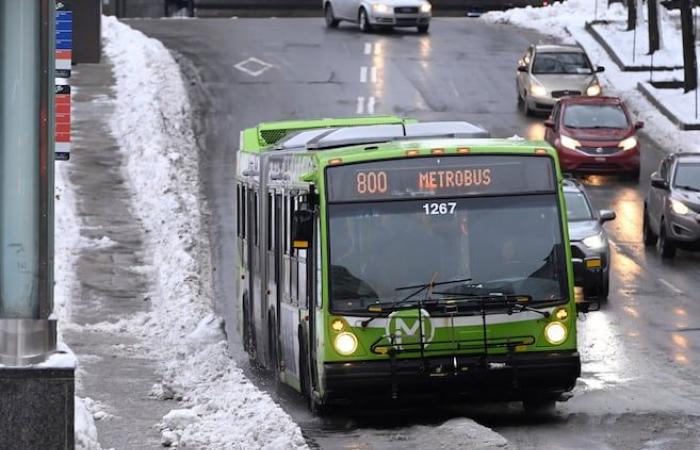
(404, 327)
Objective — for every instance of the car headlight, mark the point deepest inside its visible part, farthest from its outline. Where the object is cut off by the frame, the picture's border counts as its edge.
(594, 90)
(679, 207)
(537, 90)
(594, 242)
(628, 144)
(555, 333)
(380, 8)
(426, 7)
(569, 143)
(345, 343)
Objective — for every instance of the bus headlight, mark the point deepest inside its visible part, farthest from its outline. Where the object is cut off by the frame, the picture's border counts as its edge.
(345, 343)
(555, 333)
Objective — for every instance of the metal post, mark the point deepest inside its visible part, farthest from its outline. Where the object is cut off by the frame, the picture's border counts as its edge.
(26, 182)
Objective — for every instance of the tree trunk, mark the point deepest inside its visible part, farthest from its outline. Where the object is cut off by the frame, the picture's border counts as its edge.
(690, 62)
(631, 15)
(654, 38)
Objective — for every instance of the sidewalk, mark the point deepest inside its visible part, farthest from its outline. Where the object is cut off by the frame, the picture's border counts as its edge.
(116, 370)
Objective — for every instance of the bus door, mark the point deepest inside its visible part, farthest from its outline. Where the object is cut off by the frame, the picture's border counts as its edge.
(254, 262)
(289, 304)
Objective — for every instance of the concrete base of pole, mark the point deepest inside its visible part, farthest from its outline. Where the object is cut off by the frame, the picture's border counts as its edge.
(37, 407)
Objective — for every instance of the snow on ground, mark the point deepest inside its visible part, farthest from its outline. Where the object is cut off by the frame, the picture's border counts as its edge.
(152, 124)
(566, 21)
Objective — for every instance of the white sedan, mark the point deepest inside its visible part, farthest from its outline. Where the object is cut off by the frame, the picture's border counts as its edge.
(379, 13)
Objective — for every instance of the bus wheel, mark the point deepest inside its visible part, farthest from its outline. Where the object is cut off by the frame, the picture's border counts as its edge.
(273, 352)
(539, 406)
(248, 333)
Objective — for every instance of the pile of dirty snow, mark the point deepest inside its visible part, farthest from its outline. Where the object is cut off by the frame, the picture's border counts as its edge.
(153, 125)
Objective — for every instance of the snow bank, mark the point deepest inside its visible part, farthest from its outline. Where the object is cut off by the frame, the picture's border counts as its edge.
(152, 124)
(566, 21)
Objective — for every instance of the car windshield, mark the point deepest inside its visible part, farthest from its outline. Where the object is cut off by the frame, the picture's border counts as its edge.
(577, 206)
(595, 116)
(688, 176)
(561, 63)
(509, 245)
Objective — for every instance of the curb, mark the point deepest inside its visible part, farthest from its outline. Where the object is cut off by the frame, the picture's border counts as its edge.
(613, 55)
(641, 87)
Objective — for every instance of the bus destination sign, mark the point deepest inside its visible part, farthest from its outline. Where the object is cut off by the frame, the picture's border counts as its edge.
(441, 177)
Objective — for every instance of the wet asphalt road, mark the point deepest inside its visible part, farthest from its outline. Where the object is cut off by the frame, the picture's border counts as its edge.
(639, 387)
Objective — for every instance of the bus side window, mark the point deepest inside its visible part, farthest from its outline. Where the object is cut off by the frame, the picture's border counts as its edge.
(268, 222)
(238, 209)
(301, 268)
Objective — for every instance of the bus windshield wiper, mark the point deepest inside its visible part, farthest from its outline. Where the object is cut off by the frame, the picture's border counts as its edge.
(687, 188)
(422, 287)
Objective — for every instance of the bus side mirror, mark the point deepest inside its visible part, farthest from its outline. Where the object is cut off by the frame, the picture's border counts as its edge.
(302, 228)
(658, 181)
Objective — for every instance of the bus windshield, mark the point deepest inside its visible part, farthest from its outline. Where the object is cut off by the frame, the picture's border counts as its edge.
(507, 244)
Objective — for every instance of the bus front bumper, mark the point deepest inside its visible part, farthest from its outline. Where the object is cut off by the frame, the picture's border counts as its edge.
(517, 376)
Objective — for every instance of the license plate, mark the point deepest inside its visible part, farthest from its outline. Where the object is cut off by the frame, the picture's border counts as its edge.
(598, 159)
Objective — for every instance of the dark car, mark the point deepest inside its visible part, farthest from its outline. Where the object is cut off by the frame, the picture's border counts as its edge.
(594, 135)
(590, 249)
(672, 205)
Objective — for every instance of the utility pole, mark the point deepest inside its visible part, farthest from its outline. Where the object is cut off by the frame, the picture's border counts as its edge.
(36, 410)
(690, 63)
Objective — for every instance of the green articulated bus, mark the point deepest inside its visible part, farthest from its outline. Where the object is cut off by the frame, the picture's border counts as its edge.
(382, 257)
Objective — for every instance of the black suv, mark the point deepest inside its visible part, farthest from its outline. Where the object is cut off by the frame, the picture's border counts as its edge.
(590, 249)
(672, 205)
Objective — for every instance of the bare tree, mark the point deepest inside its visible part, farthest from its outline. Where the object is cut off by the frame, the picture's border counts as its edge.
(690, 62)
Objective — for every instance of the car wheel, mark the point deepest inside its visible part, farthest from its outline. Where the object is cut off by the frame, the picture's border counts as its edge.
(331, 21)
(423, 28)
(605, 290)
(526, 107)
(633, 176)
(365, 26)
(539, 406)
(666, 247)
(649, 237)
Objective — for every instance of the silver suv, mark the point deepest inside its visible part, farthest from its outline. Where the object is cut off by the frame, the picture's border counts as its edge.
(548, 72)
(672, 205)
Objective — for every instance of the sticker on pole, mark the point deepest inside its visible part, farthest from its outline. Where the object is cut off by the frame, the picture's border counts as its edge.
(64, 39)
(62, 113)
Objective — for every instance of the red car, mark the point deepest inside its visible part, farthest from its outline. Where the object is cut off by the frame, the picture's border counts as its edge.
(594, 135)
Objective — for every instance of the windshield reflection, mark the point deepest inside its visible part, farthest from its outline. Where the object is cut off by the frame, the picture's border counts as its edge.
(507, 245)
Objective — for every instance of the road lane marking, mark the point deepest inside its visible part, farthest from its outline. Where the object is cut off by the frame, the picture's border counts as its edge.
(377, 49)
(360, 105)
(253, 66)
(373, 75)
(363, 74)
(368, 48)
(670, 286)
(370, 105)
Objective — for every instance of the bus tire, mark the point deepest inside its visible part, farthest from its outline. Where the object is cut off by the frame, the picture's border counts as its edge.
(273, 349)
(248, 332)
